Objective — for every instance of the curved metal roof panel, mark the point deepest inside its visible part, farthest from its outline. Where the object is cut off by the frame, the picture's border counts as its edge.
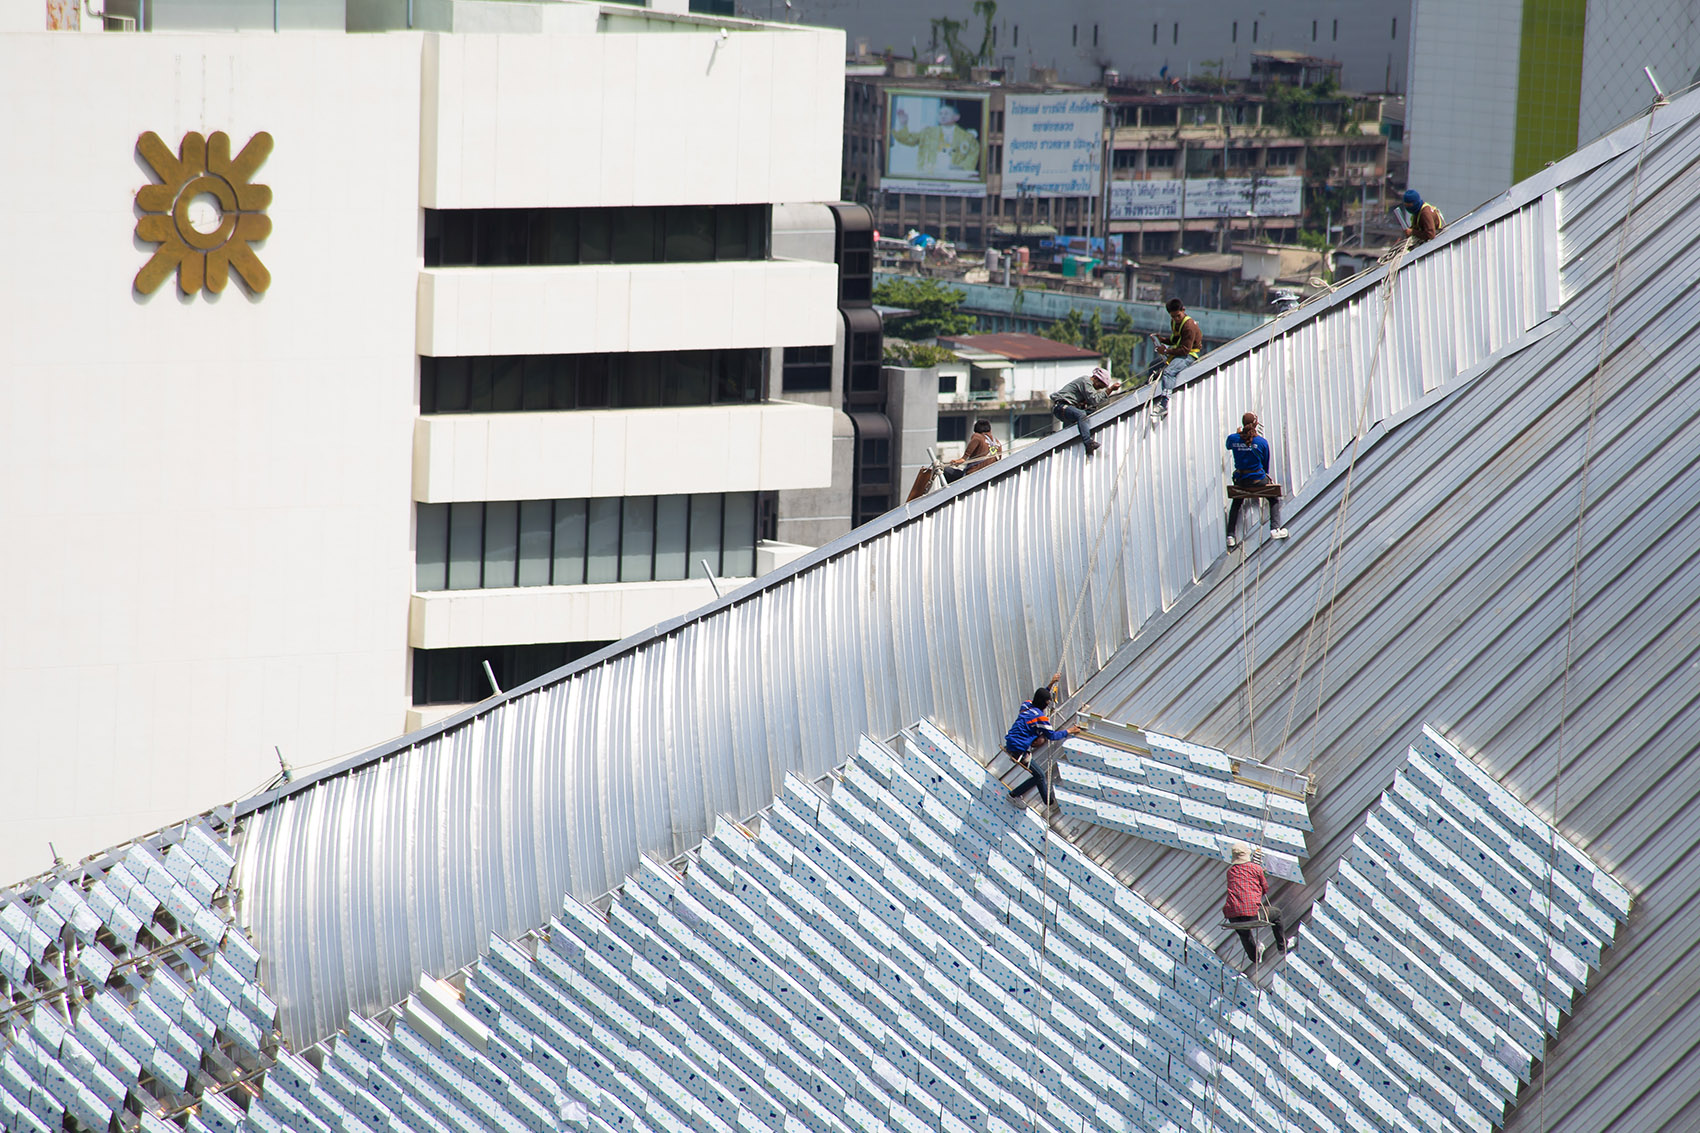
(945, 608)
(1486, 447)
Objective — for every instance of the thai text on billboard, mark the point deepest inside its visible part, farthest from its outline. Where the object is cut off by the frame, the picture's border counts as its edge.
(1052, 145)
(935, 144)
(1206, 198)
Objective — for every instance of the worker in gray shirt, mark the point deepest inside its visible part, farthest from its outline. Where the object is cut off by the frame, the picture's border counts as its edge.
(1074, 403)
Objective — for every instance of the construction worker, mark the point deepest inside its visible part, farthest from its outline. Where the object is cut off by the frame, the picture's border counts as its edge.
(1074, 403)
(1251, 471)
(1180, 350)
(1426, 221)
(1030, 735)
(1248, 893)
(981, 451)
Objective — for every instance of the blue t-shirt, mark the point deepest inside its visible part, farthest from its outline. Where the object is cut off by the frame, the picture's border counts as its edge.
(1251, 461)
(1031, 724)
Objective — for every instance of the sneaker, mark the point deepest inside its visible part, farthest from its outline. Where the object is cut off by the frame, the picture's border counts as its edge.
(1259, 958)
(1278, 533)
(1232, 542)
(1092, 447)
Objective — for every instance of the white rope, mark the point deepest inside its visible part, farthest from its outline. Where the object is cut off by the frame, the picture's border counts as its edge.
(1594, 383)
(1331, 565)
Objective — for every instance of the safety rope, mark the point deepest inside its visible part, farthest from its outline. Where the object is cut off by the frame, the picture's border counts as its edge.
(1594, 383)
(1044, 934)
(1092, 560)
(1050, 769)
(1330, 580)
(1245, 647)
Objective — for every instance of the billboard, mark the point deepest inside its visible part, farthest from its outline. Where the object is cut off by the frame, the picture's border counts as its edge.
(1206, 199)
(1053, 145)
(935, 143)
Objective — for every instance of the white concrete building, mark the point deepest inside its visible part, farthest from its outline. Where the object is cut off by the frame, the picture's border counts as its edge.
(1499, 91)
(498, 375)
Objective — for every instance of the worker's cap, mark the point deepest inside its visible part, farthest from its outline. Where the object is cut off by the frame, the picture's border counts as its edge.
(1240, 852)
(1412, 197)
(1100, 376)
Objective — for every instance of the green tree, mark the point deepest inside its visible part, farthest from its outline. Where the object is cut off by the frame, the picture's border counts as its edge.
(1070, 328)
(962, 61)
(1124, 321)
(1118, 348)
(934, 304)
(1292, 110)
(1093, 334)
(916, 354)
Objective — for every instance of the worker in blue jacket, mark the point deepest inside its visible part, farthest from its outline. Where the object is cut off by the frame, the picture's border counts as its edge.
(1030, 735)
(1252, 460)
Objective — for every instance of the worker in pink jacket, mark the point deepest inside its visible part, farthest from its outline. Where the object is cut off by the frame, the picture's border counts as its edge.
(1248, 890)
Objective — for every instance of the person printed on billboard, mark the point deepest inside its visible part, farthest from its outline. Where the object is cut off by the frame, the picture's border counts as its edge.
(947, 148)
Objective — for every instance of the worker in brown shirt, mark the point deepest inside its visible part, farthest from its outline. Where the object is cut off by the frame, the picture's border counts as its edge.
(981, 451)
(1181, 349)
(1426, 221)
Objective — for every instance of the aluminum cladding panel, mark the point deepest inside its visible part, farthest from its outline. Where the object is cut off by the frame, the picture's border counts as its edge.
(950, 608)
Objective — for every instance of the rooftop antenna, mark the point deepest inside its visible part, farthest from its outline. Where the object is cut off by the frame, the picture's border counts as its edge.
(58, 862)
(490, 676)
(284, 771)
(1659, 98)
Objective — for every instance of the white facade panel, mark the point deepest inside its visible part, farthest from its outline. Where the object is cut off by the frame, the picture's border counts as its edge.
(1624, 36)
(620, 118)
(617, 308)
(1462, 110)
(210, 498)
(449, 619)
(206, 499)
(626, 452)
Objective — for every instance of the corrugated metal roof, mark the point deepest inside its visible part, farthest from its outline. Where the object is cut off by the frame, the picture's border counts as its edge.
(902, 950)
(1450, 600)
(405, 858)
(1451, 398)
(126, 986)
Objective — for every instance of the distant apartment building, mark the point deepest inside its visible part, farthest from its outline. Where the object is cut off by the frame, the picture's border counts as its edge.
(1086, 41)
(1144, 167)
(1006, 380)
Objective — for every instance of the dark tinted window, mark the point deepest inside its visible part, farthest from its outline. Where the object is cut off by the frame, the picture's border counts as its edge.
(506, 543)
(808, 369)
(456, 676)
(672, 234)
(519, 382)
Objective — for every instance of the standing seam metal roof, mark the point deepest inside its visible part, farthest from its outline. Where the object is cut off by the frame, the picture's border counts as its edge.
(406, 859)
(909, 951)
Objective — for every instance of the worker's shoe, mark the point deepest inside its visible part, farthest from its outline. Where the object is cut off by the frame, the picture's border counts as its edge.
(1160, 406)
(1278, 533)
(1232, 542)
(1093, 446)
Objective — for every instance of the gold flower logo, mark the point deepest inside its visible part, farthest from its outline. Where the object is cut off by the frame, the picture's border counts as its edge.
(203, 213)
